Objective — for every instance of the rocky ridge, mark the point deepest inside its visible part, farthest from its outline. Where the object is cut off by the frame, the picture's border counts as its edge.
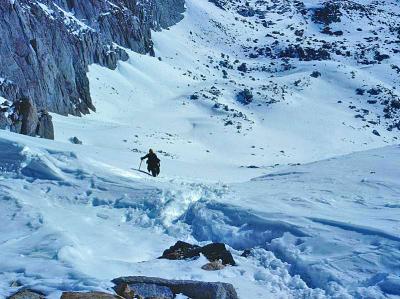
(47, 47)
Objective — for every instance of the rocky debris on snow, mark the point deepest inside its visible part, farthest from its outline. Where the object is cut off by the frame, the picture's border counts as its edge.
(375, 132)
(243, 68)
(190, 288)
(27, 294)
(315, 74)
(213, 252)
(328, 13)
(305, 53)
(88, 295)
(388, 99)
(327, 30)
(213, 266)
(75, 140)
(380, 57)
(219, 3)
(246, 11)
(245, 96)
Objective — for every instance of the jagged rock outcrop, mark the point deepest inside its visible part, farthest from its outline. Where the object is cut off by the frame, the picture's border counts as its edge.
(47, 46)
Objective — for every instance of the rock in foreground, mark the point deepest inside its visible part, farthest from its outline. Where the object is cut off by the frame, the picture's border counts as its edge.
(190, 288)
(27, 294)
(89, 295)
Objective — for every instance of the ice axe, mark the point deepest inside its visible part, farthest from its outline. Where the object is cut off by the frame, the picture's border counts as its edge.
(140, 165)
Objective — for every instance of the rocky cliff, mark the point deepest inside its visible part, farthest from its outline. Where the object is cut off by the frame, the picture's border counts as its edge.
(47, 45)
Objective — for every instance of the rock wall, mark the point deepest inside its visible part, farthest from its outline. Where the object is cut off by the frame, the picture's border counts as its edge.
(47, 45)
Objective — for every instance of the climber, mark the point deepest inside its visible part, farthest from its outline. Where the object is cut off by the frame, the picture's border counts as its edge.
(153, 163)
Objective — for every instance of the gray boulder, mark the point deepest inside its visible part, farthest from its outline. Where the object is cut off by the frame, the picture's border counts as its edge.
(27, 294)
(89, 295)
(28, 117)
(190, 288)
(45, 127)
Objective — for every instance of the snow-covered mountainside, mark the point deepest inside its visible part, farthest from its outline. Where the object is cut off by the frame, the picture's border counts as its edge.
(277, 126)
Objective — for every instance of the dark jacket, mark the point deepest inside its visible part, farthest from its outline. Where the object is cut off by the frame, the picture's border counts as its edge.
(152, 160)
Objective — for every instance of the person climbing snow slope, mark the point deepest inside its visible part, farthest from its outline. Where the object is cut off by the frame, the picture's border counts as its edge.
(153, 163)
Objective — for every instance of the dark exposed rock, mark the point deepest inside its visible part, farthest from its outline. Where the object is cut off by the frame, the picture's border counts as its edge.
(315, 74)
(245, 96)
(28, 117)
(213, 252)
(299, 33)
(395, 104)
(246, 11)
(243, 68)
(379, 57)
(218, 251)
(328, 13)
(219, 3)
(375, 132)
(45, 127)
(181, 250)
(27, 294)
(75, 140)
(327, 30)
(88, 295)
(190, 288)
(374, 91)
(305, 54)
(360, 91)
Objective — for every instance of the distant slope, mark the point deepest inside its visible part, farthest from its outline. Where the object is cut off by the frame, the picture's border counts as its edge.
(189, 100)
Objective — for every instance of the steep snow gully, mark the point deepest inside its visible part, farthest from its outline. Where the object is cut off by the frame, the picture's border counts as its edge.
(277, 123)
(70, 212)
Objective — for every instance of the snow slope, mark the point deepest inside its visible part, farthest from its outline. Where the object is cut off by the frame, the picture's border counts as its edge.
(325, 229)
(146, 102)
(294, 176)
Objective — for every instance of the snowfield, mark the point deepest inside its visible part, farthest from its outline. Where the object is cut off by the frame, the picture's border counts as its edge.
(73, 222)
(293, 176)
